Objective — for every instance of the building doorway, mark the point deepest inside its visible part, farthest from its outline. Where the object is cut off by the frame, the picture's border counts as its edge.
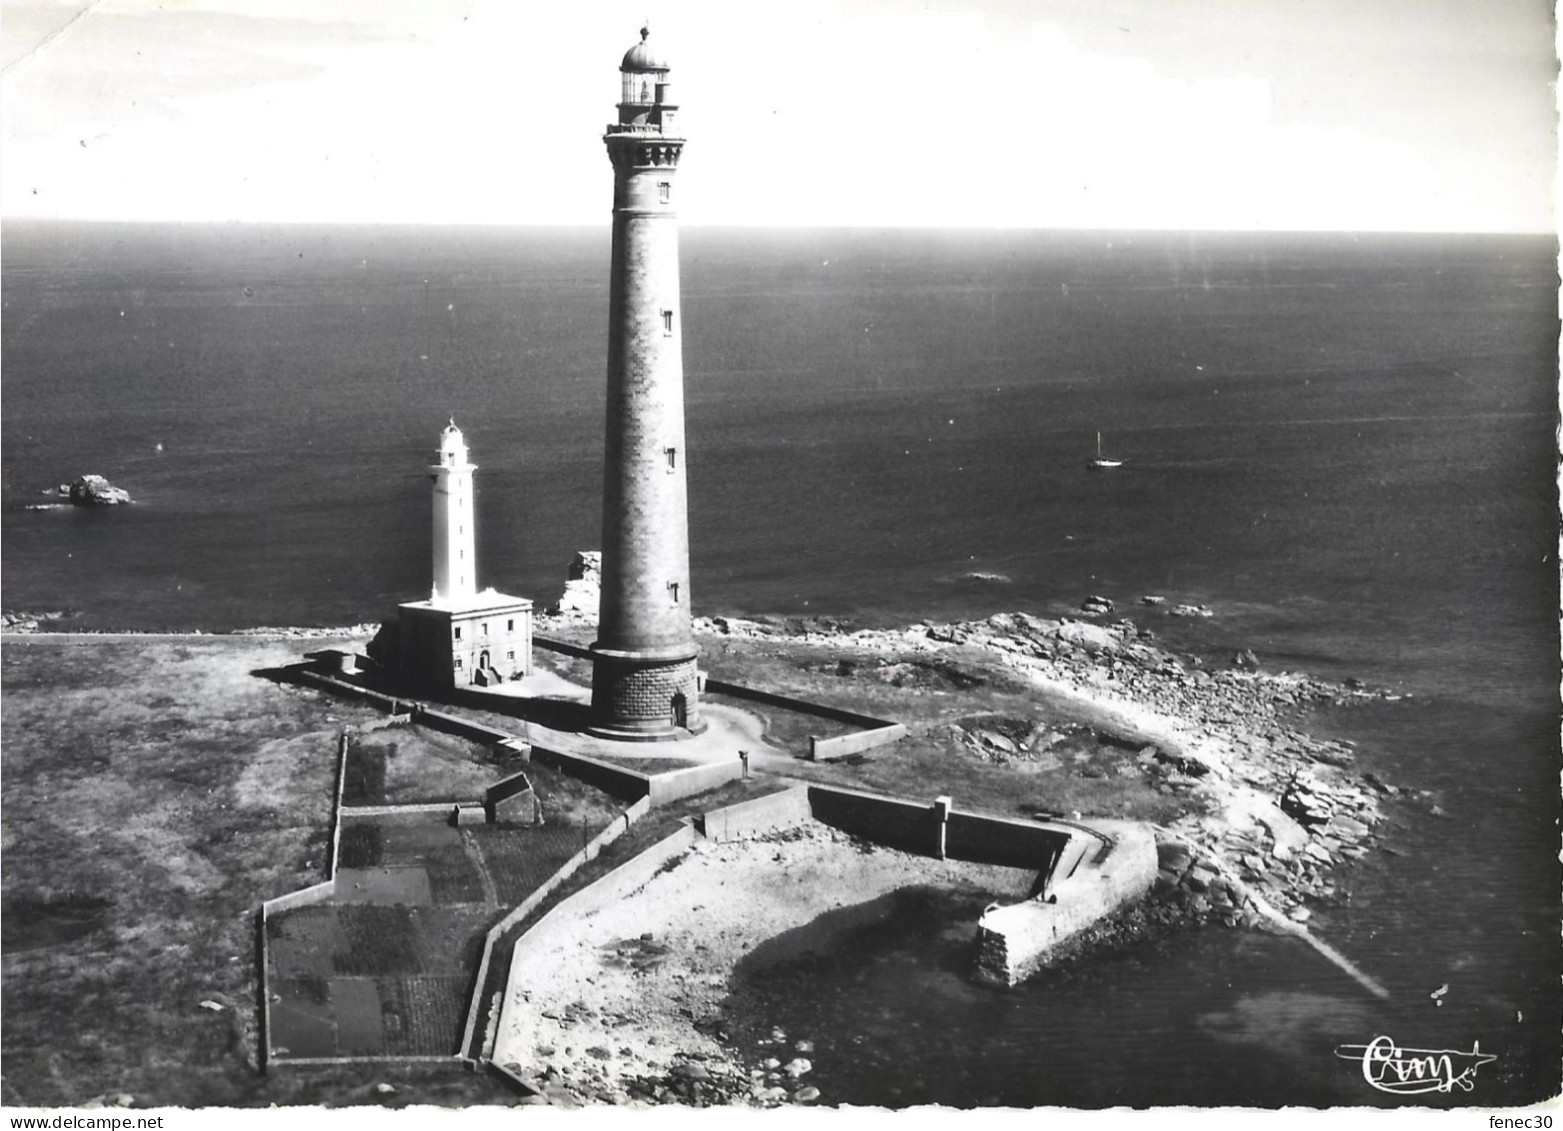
(680, 710)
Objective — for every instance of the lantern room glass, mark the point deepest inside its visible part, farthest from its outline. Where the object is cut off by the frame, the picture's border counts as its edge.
(640, 87)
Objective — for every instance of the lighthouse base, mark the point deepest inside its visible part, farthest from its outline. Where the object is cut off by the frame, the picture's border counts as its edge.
(642, 699)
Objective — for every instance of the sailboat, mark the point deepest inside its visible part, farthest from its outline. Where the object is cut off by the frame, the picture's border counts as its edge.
(1101, 462)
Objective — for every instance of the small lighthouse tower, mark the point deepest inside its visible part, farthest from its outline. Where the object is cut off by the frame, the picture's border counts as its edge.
(455, 554)
(461, 635)
(643, 672)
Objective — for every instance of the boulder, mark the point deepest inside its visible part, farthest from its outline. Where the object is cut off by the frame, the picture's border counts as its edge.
(1090, 637)
(1174, 857)
(96, 491)
(582, 587)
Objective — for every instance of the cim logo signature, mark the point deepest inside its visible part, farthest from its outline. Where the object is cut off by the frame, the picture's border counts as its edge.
(1411, 1072)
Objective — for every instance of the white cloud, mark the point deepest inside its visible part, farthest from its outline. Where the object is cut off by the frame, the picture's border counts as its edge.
(832, 112)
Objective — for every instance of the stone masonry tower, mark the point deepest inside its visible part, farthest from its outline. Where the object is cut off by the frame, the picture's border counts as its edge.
(643, 674)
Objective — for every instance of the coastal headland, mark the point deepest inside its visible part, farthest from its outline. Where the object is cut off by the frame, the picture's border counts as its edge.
(135, 764)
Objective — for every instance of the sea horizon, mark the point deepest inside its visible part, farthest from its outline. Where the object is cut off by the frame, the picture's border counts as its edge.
(1343, 445)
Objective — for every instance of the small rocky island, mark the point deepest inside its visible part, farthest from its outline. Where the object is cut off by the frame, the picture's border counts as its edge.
(86, 491)
(95, 491)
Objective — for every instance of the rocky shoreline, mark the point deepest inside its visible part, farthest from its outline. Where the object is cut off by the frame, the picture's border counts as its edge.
(1274, 810)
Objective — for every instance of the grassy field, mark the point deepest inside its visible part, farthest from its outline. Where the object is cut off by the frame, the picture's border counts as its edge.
(152, 793)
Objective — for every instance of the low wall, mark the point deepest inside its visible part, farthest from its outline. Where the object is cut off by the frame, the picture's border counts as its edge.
(563, 647)
(460, 727)
(304, 897)
(842, 745)
(911, 826)
(616, 828)
(678, 784)
(1010, 843)
(915, 826)
(820, 710)
(611, 779)
(336, 803)
(422, 813)
(761, 815)
(304, 674)
(616, 885)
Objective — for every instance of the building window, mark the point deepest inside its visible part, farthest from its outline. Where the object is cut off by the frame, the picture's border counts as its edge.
(458, 632)
(673, 589)
(510, 626)
(485, 628)
(510, 655)
(458, 663)
(672, 454)
(667, 323)
(664, 191)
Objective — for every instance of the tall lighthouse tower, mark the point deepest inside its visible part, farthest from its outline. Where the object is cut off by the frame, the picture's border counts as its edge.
(643, 674)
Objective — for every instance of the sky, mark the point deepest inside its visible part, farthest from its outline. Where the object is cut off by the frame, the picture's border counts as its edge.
(1355, 115)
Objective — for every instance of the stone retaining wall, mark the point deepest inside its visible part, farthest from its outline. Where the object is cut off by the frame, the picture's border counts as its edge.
(616, 885)
(761, 815)
(911, 826)
(676, 785)
(615, 829)
(1010, 843)
(1016, 941)
(844, 745)
(614, 780)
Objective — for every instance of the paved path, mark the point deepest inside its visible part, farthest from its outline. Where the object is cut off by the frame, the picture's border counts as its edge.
(728, 729)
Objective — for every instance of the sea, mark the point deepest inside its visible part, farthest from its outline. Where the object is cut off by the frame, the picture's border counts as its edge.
(1344, 445)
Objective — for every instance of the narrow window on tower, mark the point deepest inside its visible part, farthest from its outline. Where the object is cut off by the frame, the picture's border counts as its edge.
(485, 628)
(672, 460)
(673, 589)
(664, 191)
(458, 632)
(667, 323)
(458, 663)
(510, 626)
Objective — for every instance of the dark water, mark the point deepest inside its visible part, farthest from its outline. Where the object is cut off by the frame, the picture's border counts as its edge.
(1343, 445)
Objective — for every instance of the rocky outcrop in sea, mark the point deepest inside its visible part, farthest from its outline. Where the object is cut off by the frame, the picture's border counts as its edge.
(95, 491)
(582, 589)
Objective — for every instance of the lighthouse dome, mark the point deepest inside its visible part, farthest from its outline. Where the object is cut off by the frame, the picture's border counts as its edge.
(643, 58)
(453, 446)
